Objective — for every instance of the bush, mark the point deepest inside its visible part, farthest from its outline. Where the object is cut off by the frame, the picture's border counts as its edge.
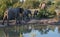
(46, 14)
(42, 14)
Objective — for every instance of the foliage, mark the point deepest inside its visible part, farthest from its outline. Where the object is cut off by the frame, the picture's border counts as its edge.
(17, 4)
(49, 3)
(42, 14)
(27, 4)
(36, 4)
(49, 11)
(46, 14)
(30, 4)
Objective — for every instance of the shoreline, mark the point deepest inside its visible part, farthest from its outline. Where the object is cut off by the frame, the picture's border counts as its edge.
(51, 21)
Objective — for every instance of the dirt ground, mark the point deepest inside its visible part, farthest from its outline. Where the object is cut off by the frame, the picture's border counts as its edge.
(41, 21)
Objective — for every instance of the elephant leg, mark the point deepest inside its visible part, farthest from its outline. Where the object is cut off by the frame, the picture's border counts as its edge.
(6, 33)
(16, 21)
(28, 17)
(20, 21)
(16, 18)
(7, 20)
(20, 18)
(24, 17)
(5, 16)
(31, 16)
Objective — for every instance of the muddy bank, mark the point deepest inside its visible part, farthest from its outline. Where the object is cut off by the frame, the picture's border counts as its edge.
(34, 21)
(44, 21)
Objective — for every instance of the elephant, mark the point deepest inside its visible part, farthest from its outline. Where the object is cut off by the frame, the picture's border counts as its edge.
(27, 14)
(12, 13)
(35, 13)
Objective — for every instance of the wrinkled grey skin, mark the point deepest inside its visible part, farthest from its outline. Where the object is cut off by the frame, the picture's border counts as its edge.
(26, 14)
(12, 13)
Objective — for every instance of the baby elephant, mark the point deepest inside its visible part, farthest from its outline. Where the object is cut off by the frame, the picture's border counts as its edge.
(12, 13)
(27, 14)
(35, 13)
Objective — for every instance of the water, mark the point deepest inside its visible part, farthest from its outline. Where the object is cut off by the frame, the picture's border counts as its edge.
(30, 31)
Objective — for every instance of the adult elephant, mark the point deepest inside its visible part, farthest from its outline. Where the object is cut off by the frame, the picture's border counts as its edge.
(27, 14)
(12, 12)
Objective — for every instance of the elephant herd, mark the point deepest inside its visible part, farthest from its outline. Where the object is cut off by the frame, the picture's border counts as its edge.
(18, 14)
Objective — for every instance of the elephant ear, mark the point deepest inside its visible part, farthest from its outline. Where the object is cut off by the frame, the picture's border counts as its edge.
(21, 10)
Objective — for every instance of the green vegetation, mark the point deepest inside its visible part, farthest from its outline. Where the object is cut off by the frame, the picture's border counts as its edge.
(30, 4)
(49, 11)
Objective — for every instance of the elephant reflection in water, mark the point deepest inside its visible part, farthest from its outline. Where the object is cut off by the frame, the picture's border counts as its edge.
(15, 31)
(12, 13)
(58, 29)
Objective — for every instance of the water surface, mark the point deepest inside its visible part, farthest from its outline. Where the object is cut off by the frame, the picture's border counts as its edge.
(30, 31)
